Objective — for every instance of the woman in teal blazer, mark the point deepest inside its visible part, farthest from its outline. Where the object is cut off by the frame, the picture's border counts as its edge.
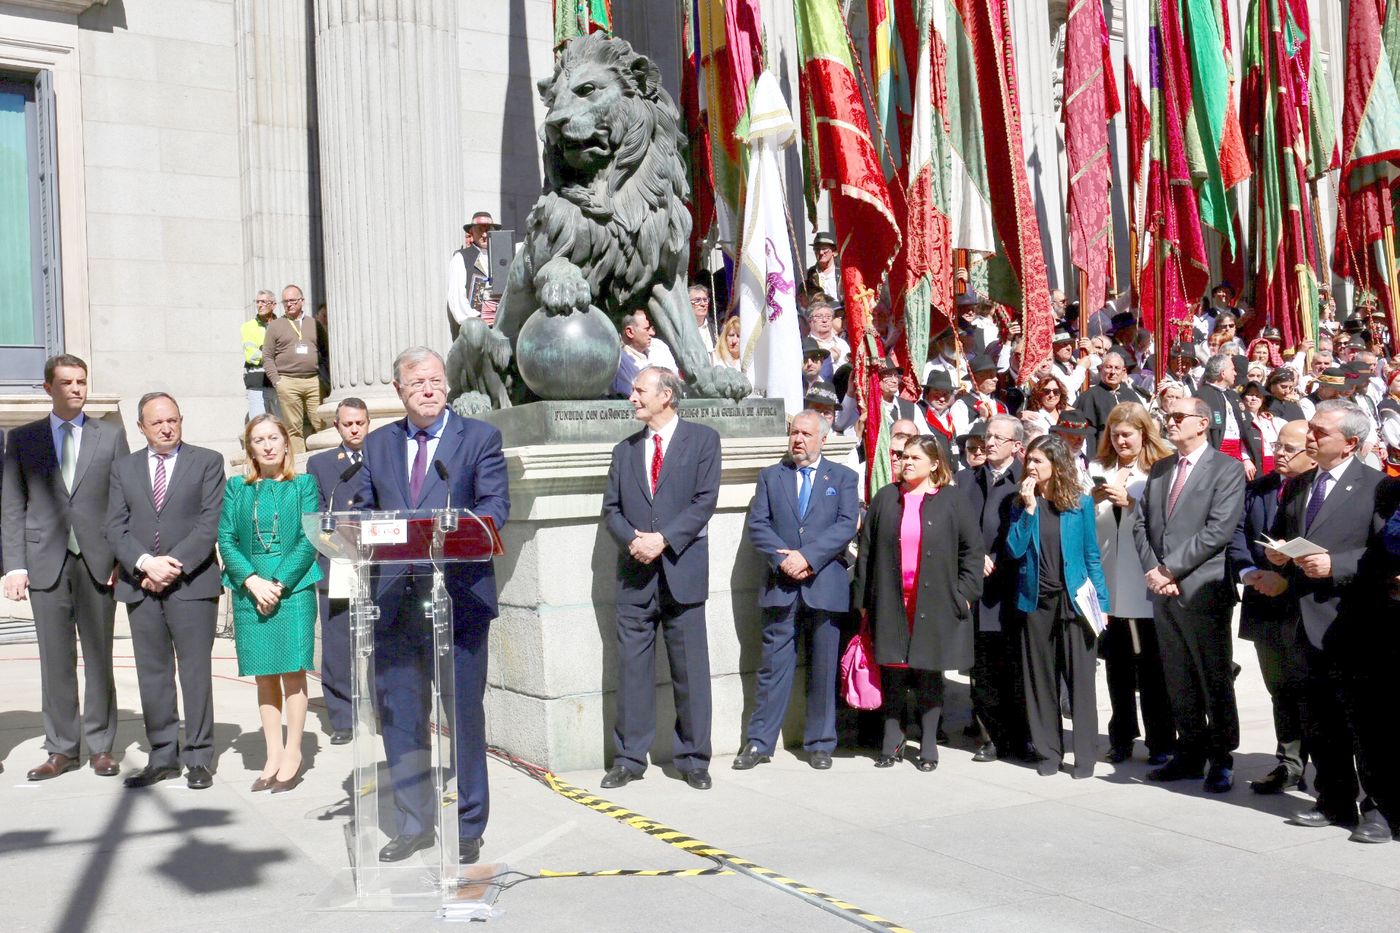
(1053, 537)
(270, 568)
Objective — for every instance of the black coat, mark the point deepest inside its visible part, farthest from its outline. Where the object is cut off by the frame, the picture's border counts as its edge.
(950, 579)
(992, 508)
(1098, 400)
(1219, 400)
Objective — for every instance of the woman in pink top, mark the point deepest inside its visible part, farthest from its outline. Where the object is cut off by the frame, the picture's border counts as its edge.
(919, 569)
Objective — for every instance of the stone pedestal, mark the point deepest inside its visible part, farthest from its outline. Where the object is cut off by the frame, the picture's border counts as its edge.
(553, 672)
(391, 160)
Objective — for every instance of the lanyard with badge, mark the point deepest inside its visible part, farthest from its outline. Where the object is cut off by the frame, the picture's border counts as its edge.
(302, 347)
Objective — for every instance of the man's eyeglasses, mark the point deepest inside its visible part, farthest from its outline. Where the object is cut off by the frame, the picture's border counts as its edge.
(1177, 417)
(998, 439)
(292, 301)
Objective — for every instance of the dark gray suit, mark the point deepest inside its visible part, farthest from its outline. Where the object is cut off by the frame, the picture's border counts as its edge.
(669, 592)
(177, 623)
(72, 601)
(1193, 628)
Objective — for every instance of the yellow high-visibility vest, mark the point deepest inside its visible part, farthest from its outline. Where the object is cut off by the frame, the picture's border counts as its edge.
(253, 331)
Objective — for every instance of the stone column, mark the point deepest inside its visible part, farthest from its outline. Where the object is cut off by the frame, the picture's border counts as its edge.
(278, 158)
(1040, 126)
(391, 180)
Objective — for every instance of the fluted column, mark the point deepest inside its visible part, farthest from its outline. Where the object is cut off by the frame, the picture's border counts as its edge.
(391, 181)
(278, 148)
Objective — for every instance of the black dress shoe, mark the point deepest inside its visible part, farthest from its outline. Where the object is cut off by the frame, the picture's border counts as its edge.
(1375, 828)
(468, 851)
(618, 776)
(149, 775)
(401, 847)
(1176, 770)
(699, 778)
(1276, 782)
(199, 777)
(1157, 759)
(820, 760)
(341, 737)
(750, 757)
(1118, 754)
(987, 752)
(886, 761)
(1317, 817)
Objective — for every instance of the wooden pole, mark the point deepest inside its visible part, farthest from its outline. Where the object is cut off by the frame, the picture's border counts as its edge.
(1391, 277)
(1159, 288)
(1084, 320)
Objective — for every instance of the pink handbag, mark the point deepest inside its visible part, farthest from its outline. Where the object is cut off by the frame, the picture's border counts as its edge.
(860, 675)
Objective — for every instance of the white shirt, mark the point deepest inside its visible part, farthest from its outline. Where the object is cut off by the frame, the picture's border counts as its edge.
(151, 458)
(839, 349)
(457, 281)
(668, 431)
(1335, 475)
(814, 466)
(411, 448)
(56, 429)
(828, 281)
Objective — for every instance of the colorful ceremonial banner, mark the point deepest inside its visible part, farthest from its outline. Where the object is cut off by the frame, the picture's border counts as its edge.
(1370, 140)
(1273, 101)
(768, 331)
(969, 191)
(730, 54)
(1137, 106)
(1171, 250)
(890, 76)
(928, 249)
(702, 191)
(841, 158)
(1018, 276)
(1088, 105)
(1219, 162)
(579, 18)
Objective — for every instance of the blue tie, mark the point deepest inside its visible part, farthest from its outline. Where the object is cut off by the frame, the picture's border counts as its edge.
(1319, 496)
(804, 494)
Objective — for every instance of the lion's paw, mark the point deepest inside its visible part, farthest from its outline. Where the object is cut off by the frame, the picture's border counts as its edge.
(722, 382)
(562, 287)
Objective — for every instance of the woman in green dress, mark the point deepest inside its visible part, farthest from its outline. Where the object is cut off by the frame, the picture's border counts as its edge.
(270, 568)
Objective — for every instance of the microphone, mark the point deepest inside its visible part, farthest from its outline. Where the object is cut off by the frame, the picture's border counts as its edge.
(327, 523)
(447, 521)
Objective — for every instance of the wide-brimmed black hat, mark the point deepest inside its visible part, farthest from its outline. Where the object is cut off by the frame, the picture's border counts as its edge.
(810, 347)
(1334, 376)
(1062, 335)
(821, 392)
(1075, 423)
(889, 364)
(938, 380)
(1271, 334)
(981, 363)
(823, 239)
(1122, 321)
(978, 428)
(478, 221)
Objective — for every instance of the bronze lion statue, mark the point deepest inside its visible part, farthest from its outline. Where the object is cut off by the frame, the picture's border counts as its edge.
(611, 230)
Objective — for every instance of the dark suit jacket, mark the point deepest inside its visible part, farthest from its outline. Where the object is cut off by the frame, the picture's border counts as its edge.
(1348, 526)
(686, 495)
(188, 523)
(326, 468)
(37, 510)
(949, 579)
(1286, 411)
(1191, 544)
(476, 467)
(1270, 619)
(993, 510)
(821, 536)
(1098, 400)
(1220, 401)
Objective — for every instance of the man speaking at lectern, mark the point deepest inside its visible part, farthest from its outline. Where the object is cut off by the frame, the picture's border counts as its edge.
(400, 473)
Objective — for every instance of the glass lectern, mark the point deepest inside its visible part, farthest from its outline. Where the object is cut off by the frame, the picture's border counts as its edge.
(363, 546)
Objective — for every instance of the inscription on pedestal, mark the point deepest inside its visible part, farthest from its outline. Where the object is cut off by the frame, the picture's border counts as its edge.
(583, 422)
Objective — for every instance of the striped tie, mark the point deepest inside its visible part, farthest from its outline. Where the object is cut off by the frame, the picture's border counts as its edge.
(158, 494)
(68, 469)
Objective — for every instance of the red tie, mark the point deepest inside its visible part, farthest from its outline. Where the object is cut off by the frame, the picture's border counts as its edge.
(656, 460)
(1183, 468)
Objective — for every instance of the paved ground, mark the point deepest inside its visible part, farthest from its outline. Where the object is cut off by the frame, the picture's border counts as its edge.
(969, 847)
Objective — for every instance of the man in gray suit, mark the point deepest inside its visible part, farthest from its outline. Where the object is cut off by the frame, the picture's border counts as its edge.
(56, 478)
(663, 486)
(1182, 525)
(162, 521)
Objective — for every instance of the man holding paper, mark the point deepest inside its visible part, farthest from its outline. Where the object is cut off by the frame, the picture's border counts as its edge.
(1349, 730)
(1188, 513)
(1269, 616)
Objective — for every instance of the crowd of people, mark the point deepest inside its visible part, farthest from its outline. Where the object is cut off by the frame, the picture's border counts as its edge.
(1036, 524)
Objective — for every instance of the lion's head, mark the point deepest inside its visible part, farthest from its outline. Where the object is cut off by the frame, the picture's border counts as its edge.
(606, 111)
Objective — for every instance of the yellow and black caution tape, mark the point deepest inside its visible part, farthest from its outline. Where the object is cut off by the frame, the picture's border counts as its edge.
(673, 837)
(637, 873)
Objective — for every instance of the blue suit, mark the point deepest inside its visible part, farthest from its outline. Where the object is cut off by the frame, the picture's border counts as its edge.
(476, 466)
(821, 536)
(326, 467)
